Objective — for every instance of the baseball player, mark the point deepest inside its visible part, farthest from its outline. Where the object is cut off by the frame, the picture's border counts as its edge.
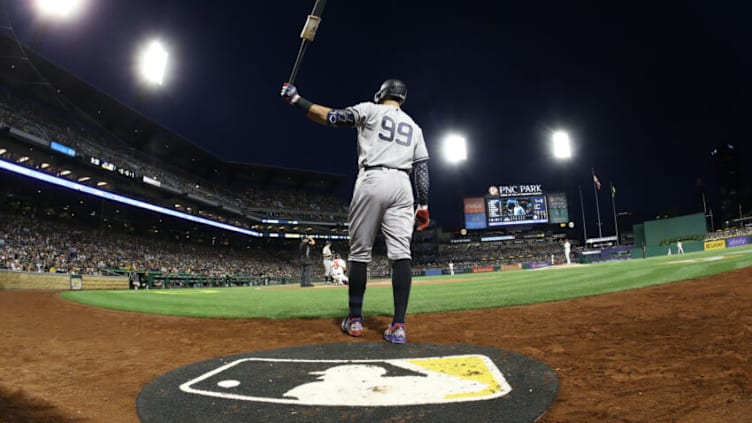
(326, 254)
(518, 209)
(390, 146)
(567, 250)
(339, 267)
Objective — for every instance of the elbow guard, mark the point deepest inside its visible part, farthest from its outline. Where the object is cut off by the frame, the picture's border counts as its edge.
(339, 118)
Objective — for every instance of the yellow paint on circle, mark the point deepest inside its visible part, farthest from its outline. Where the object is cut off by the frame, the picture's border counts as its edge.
(468, 367)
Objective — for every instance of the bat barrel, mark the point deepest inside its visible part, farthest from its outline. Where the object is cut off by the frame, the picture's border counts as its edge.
(307, 34)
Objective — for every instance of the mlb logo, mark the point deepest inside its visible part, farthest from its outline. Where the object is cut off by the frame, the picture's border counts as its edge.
(367, 383)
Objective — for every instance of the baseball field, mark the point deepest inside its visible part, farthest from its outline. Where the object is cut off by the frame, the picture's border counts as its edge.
(430, 294)
(659, 339)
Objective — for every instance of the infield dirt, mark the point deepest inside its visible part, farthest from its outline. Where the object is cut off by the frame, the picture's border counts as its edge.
(671, 353)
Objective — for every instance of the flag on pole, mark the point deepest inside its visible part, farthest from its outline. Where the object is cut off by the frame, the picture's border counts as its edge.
(596, 181)
(613, 191)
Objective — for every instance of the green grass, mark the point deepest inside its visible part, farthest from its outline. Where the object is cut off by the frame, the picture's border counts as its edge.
(476, 291)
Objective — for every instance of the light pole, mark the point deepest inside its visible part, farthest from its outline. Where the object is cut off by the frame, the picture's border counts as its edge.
(561, 149)
(455, 153)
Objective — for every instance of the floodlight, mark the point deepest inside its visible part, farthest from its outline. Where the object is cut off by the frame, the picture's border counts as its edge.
(153, 63)
(58, 8)
(561, 146)
(455, 149)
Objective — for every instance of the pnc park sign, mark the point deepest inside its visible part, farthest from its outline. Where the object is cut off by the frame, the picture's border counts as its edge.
(512, 190)
(354, 382)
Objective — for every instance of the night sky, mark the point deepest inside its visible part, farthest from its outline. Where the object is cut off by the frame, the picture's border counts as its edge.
(645, 90)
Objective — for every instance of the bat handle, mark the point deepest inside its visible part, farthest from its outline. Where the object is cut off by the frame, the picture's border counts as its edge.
(298, 61)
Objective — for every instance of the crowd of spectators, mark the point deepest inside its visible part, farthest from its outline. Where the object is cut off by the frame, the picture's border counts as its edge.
(295, 203)
(35, 244)
(501, 253)
(729, 233)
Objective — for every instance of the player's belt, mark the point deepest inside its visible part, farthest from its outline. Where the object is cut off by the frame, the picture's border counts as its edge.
(384, 168)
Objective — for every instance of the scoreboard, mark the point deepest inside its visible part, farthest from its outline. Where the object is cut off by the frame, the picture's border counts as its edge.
(517, 210)
(510, 205)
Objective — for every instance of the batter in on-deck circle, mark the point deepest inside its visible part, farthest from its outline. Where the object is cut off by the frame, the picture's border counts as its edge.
(390, 146)
(326, 254)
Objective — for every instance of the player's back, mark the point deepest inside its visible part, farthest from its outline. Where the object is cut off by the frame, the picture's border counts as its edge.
(387, 136)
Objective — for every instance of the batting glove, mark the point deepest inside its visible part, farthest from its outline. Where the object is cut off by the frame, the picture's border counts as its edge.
(289, 93)
(421, 218)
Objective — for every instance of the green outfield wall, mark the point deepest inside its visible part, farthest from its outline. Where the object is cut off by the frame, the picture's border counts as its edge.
(661, 235)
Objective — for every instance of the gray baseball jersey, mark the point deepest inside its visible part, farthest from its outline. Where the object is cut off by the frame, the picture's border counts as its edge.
(389, 142)
(387, 136)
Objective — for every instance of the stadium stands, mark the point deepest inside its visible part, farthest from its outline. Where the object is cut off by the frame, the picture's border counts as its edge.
(43, 122)
(37, 240)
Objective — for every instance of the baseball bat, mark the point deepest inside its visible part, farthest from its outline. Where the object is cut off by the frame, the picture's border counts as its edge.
(307, 35)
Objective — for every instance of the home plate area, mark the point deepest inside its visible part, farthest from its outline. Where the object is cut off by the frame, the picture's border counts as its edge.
(363, 382)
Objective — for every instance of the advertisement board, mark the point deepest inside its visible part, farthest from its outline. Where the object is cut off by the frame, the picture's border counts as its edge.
(717, 244)
(475, 213)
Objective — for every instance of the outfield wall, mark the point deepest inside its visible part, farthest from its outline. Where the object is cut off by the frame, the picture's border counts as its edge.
(665, 231)
(660, 236)
(58, 281)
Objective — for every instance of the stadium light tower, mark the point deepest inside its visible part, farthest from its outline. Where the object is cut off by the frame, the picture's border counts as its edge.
(455, 149)
(51, 11)
(153, 63)
(455, 152)
(562, 147)
(58, 8)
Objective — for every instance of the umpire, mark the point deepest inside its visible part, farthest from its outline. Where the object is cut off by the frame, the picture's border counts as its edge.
(306, 261)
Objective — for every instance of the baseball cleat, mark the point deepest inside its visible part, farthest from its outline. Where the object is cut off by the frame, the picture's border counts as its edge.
(396, 333)
(352, 326)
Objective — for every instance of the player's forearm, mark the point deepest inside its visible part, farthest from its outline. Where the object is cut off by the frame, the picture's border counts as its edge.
(421, 180)
(318, 114)
(315, 112)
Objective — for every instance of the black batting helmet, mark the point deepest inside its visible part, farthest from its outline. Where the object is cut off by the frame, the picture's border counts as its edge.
(391, 88)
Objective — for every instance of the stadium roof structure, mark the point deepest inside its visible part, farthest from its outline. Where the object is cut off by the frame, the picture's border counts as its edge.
(271, 175)
(22, 68)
